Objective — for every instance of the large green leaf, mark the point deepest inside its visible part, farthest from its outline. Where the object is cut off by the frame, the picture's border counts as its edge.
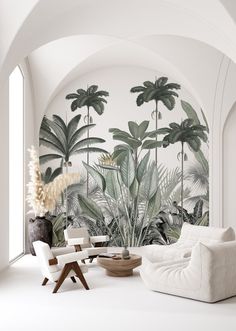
(205, 120)
(147, 83)
(127, 169)
(90, 150)
(54, 146)
(149, 184)
(79, 133)
(140, 100)
(169, 102)
(92, 89)
(142, 129)
(71, 96)
(142, 167)
(60, 133)
(98, 107)
(90, 208)
(72, 126)
(137, 89)
(134, 189)
(190, 112)
(112, 185)
(163, 131)
(99, 179)
(150, 144)
(195, 144)
(132, 142)
(85, 142)
(58, 120)
(49, 157)
(202, 160)
(154, 205)
(134, 129)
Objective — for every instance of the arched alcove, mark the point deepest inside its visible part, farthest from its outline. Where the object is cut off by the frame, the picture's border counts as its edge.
(229, 166)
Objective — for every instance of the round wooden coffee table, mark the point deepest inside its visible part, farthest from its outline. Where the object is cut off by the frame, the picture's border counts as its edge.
(120, 268)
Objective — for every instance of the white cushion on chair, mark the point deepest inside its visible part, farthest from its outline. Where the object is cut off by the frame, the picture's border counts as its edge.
(62, 250)
(99, 239)
(190, 235)
(96, 250)
(52, 272)
(72, 257)
(75, 241)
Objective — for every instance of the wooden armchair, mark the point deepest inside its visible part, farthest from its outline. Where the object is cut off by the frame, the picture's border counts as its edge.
(56, 266)
(80, 239)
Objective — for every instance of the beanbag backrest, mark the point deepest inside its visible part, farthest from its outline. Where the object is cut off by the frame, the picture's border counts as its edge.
(192, 234)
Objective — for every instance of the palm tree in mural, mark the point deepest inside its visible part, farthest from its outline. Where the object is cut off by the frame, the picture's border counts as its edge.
(90, 98)
(186, 133)
(159, 91)
(65, 139)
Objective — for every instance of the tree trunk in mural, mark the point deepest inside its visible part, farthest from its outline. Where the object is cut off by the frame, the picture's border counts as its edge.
(182, 177)
(87, 158)
(156, 119)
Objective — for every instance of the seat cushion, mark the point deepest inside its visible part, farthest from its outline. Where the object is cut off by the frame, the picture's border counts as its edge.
(96, 250)
(158, 253)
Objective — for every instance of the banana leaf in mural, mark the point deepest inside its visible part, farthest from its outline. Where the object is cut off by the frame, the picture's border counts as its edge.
(134, 141)
(128, 200)
(65, 139)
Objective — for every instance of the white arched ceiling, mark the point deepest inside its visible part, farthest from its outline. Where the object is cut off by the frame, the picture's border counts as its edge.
(43, 21)
(50, 74)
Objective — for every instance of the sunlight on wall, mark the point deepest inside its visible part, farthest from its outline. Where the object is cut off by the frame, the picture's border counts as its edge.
(16, 161)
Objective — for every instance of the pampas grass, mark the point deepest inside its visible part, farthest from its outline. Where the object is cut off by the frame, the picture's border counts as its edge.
(42, 198)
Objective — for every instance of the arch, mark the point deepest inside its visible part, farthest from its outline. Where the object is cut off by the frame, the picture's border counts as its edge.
(186, 21)
(229, 166)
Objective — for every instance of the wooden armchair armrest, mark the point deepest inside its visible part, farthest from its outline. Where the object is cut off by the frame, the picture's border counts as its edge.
(68, 258)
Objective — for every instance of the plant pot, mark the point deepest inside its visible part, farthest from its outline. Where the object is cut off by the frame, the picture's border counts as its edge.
(39, 228)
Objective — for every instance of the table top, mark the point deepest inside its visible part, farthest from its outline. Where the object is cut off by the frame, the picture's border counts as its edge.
(107, 261)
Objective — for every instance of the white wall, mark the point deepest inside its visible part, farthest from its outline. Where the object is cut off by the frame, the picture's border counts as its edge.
(4, 233)
(229, 170)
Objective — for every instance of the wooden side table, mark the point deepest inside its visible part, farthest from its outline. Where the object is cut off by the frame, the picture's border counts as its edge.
(120, 268)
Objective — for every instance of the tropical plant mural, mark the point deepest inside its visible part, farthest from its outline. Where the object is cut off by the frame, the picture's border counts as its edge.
(184, 133)
(90, 98)
(65, 139)
(126, 194)
(159, 91)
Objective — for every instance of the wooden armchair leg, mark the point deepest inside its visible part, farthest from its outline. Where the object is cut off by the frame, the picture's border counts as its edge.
(65, 271)
(73, 279)
(44, 281)
(79, 274)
